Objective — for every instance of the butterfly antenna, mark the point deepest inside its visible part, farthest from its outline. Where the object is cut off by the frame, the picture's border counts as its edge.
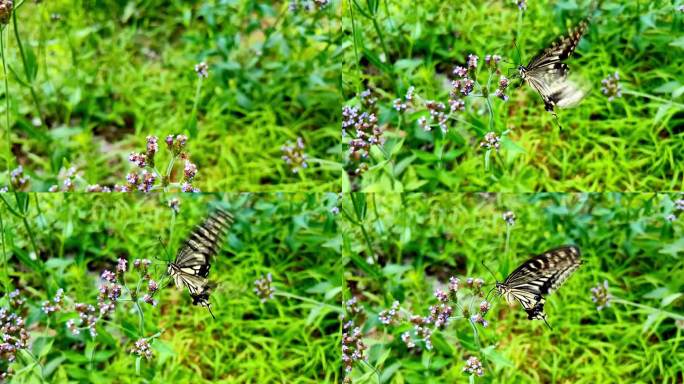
(490, 271)
(517, 51)
(166, 251)
(547, 323)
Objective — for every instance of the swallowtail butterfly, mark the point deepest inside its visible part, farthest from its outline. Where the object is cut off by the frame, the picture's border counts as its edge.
(547, 73)
(538, 277)
(191, 267)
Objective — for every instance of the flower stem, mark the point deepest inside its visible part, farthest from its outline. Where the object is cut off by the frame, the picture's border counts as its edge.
(307, 300)
(8, 159)
(651, 309)
(656, 98)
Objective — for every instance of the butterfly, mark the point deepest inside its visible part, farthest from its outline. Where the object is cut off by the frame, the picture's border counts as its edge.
(193, 261)
(547, 73)
(537, 277)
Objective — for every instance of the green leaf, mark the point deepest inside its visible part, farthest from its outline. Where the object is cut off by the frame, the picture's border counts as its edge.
(673, 249)
(679, 43)
(667, 300)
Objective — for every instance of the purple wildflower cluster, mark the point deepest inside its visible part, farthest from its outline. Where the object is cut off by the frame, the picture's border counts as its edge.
(13, 333)
(610, 86)
(491, 141)
(601, 296)
(509, 218)
(67, 185)
(148, 178)
(390, 316)
(263, 288)
(142, 348)
(360, 124)
(473, 366)
(202, 70)
(463, 84)
(17, 178)
(353, 347)
(294, 155)
(56, 304)
(307, 5)
(174, 204)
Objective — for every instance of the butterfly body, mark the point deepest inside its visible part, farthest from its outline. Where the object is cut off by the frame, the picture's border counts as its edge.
(547, 73)
(191, 267)
(538, 277)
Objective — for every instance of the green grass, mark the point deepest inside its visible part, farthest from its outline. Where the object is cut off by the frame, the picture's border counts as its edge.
(291, 338)
(631, 144)
(107, 74)
(415, 242)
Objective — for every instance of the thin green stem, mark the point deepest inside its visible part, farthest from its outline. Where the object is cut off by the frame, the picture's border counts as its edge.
(307, 300)
(7, 107)
(382, 40)
(29, 79)
(6, 280)
(656, 98)
(646, 307)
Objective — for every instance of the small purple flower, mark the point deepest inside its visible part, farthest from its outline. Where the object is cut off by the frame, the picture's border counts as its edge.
(477, 318)
(611, 86)
(142, 348)
(389, 316)
(190, 170)
(108, 276)
(441, 296)
(485, 307)
(491, 140)
(294, 155)
(138, 159)
(17, 178)
(122, 265)
(152, 146)
(423, 123)
(149, 300)
(522, 4)
(472, 61)
(454, 283)
(152, 286)
(202, 70)
(399, 105)
(467, 86)
(133, 178)
(263, 288)
(473, 366)
(174, 204)
(601, 296)
(410, 94)
(460, 71)
(679, 204)
(509, 218)
(335, 210)
(352, 306)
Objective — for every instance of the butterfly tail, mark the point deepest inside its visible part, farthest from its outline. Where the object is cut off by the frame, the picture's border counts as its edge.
(212, 313)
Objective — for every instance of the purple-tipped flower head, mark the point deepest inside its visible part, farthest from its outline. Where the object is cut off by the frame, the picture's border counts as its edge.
(611, 86)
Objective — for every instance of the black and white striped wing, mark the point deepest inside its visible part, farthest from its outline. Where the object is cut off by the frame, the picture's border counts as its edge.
(541, 275)
(193, 261)
(547, 74)
(204, 242)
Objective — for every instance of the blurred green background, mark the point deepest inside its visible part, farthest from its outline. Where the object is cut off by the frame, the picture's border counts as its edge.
(291, 338)
(106, 74)
(404, 246)
(633, 143)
